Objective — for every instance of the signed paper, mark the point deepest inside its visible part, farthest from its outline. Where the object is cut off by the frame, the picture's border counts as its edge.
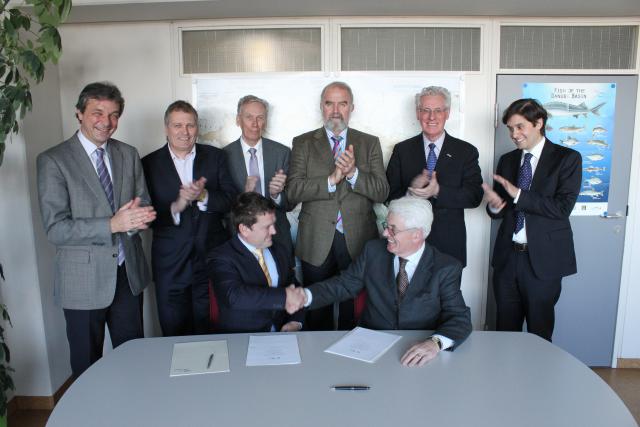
(364, 344)
(267, 350)
(202, 357)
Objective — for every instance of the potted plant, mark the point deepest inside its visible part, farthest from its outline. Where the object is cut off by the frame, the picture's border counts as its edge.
(6, 382)
(29, 39)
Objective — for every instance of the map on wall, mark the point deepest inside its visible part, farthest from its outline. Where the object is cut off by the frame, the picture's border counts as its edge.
(384, 105)
(582, 117)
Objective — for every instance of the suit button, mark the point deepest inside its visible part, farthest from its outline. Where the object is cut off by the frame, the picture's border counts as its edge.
(115, 255)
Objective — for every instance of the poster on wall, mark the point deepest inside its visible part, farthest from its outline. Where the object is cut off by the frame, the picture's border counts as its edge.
(582, 117)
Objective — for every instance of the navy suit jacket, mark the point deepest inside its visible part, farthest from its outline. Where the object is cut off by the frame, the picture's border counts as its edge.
(179, 251)
(546, 205)
(245, 302)
(458, 175)
(432, 301)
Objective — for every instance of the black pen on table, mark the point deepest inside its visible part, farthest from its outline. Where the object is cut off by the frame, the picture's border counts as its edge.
(210, 360)
(350, 388)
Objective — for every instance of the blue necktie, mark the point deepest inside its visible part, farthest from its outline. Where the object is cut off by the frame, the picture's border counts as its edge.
(432, 159)
(105, 181)
(524, 182)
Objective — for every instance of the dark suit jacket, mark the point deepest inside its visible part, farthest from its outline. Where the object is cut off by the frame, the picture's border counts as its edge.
(547, 206)
(433, 299)
(311, 164)
(245, 302)
(179, 251)
(276, 157)
(76, 216)
(460, 181)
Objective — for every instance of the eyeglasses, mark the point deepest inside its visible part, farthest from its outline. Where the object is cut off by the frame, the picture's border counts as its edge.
(435, 111)
(392, 231)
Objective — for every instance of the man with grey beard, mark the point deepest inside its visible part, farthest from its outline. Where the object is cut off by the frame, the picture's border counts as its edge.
(337, 174)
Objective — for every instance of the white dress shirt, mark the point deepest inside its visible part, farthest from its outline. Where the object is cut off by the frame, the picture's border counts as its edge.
(536, 151)
(92, 149)
(184, 167)
(438, 142)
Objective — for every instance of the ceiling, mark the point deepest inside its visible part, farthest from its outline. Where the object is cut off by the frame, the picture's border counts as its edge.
(154, 10)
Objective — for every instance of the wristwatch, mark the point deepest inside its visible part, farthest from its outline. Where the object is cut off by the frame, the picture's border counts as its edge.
(437, 341)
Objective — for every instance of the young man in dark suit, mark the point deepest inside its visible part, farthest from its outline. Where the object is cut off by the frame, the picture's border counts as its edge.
(252, 275)
(437, 167)
(534, 191)
(191, 187)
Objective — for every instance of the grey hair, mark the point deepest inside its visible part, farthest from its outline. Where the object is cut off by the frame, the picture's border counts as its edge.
(416, 212)
(434, 91)
(341, 85)
(248, 99)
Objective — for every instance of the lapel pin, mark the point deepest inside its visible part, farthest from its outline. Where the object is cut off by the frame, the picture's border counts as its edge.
(449, 155)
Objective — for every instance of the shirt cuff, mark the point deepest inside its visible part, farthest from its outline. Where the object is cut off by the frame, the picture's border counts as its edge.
(330, 188)
(446, 342)
(307, 292)
(353, 179)
(515, 199)
(202, 205)
(176, 218)
(494, 210)
(277, 200)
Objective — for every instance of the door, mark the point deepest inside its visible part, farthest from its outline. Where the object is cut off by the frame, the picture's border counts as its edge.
(587, 309)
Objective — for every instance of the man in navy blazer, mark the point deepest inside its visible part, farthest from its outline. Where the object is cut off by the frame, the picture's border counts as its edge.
(268, 159)
(534, 191)
(440, 168)
(191, 187)
(253, 276)
(409, 283)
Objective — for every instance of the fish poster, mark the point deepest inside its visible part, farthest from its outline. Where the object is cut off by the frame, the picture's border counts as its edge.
(582, 117)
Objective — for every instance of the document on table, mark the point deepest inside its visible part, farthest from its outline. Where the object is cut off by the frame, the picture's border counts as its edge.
(267, 350)
(202, 357)
(364, 344)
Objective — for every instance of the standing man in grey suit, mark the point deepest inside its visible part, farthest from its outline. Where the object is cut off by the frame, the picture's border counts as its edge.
(409, 283)
(260, 164)
(337, 173)
(93, 201)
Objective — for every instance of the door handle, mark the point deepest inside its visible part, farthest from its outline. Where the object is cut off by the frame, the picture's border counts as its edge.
(606, 215)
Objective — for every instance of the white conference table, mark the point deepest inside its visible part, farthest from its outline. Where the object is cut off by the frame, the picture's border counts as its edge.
(493, 379)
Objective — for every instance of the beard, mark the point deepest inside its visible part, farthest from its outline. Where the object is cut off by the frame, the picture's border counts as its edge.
(335, 124)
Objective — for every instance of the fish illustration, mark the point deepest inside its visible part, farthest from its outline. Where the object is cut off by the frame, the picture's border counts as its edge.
(592, 193)
(595, 157)
(571, 129)
(570, 142)
(598, 130)
(594, 169)
(594, 180)
(598, 143)
(558, 109)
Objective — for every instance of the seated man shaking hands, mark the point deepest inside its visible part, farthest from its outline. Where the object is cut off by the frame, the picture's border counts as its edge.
(252, 276)
(409, 283)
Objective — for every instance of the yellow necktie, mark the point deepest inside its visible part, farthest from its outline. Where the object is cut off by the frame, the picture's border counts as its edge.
(263, 265)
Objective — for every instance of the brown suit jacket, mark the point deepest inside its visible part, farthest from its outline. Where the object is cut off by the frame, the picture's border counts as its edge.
(311, 164)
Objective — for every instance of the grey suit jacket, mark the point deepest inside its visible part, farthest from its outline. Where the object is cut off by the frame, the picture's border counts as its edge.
(76, 216)
(311, 164)
(432, 301)
(276, 156)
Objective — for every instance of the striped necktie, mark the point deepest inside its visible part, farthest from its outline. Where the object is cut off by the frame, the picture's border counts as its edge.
(105, 181)
(263, 265)
(336, 153)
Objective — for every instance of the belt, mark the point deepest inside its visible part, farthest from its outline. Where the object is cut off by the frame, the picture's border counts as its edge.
(520, 247)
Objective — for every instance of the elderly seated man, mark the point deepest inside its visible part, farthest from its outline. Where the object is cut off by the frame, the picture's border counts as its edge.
(409, 283)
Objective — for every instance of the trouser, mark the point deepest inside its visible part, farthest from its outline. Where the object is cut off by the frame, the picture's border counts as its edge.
(85, 328)
(521, 295)
(339, 315)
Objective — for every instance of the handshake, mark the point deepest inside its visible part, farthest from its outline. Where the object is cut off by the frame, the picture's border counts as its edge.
(296, 299)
